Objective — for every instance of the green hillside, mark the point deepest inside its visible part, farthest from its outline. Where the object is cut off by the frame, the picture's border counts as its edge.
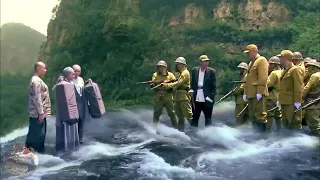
(118, 42)
(20, 46)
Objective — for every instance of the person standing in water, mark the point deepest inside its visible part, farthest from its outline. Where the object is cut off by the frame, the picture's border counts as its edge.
(67, 137)
(39, 106)
(81, 100)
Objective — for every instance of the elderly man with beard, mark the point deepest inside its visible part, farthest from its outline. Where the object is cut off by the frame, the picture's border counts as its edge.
(81, 100)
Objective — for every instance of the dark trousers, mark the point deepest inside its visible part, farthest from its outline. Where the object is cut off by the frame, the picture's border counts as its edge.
(81, 129)
(37, 134)
(259, 126)
(207, 111)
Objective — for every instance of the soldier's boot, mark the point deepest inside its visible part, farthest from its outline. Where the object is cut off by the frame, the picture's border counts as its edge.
(181, 125)
(269, 124)
(279, 124)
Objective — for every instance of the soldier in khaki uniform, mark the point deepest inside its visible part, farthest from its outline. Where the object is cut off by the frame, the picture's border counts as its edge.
(274, 90)
(290, 98)
(297, 60)
(305, 81)
(240, 103)
(312, 91)
(256, 88)
(182, 97)
(163, 97)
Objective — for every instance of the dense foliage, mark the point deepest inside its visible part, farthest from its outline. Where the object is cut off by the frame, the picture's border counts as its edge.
(118, 43)
(20, 46)
(13, 102)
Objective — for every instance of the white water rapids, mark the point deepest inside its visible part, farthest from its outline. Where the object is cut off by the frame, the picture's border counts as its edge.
(216, 152)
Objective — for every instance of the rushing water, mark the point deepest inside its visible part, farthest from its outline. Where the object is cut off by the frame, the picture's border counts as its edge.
(124, 145)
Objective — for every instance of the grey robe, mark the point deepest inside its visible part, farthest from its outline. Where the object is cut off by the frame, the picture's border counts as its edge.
(67, 136)
(83, 110)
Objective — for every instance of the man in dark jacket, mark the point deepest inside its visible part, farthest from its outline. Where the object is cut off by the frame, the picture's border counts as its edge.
(203, 90)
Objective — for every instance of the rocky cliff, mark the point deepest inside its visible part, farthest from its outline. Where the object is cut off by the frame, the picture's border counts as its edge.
(247, 15)
(135, 33)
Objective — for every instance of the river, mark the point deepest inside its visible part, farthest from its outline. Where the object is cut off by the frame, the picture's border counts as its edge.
(124, 145)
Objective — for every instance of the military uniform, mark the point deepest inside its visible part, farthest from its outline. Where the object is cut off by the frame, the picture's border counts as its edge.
(273, 84)
(181, 96)
(305, 81)
(256, 86)
(240, 103)
(291, 84)
(163, 97)
(312, 91)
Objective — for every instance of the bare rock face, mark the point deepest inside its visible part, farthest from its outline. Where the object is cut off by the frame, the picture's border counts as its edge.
(193, 14)
(252, 15)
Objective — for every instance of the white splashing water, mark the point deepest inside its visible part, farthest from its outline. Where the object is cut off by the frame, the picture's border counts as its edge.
(237, 148)
(165, 133)
(154, 166)
(14, 135)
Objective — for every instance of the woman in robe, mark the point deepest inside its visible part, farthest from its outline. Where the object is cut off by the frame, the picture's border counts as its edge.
(67, 137)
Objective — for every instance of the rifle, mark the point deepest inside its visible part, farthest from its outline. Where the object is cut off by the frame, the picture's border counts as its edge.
(225, 96)
(272, 109)
(144, 82)
(309, 104)
(239, 81)
(242, 111)
(155, 87)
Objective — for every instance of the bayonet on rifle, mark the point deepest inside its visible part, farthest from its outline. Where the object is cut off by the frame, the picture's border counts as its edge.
(272, 109)
(239, 81)
(227, 95)
(242, 111)
(144, 82)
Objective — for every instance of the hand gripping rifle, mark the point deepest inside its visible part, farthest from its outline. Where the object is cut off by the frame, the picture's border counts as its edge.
(227, 95)
(155, 87)
(309, 104)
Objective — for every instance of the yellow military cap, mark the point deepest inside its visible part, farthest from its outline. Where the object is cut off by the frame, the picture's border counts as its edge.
(286, 53)
(204, 58)
(251, 47)
(313, 63)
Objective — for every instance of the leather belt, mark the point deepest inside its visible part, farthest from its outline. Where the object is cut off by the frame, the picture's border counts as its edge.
(200, 87)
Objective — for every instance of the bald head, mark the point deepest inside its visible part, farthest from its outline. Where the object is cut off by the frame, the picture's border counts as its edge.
(40, 68)
(77, 70)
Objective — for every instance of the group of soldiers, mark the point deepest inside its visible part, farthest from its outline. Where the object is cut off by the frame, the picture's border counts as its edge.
(184, 95)
(275, 89)
(289, 96)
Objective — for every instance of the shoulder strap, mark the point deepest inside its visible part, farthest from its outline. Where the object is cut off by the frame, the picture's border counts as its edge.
(252, 62)
(285, 72)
